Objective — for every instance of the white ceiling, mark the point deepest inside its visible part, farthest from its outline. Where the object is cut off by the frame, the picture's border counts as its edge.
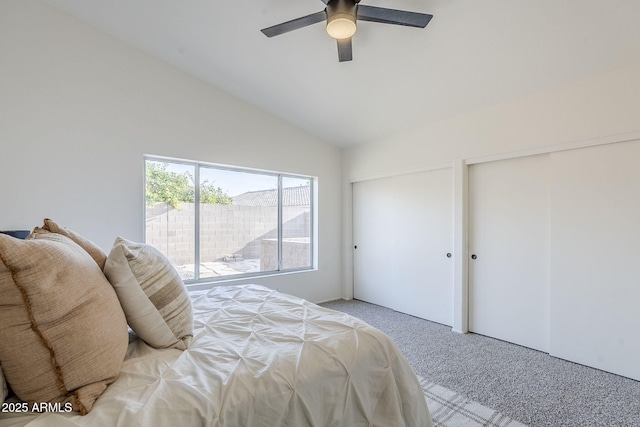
(473, 54)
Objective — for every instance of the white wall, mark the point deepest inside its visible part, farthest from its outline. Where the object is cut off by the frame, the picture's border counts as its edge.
(80, 108)
(601, 106)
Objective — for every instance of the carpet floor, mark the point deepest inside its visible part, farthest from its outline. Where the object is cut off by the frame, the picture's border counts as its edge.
(527, 385)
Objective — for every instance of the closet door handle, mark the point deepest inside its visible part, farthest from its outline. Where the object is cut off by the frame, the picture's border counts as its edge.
(474, 256)
(449, 255)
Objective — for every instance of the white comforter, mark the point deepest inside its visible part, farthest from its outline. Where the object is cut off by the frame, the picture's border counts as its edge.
(259, 358)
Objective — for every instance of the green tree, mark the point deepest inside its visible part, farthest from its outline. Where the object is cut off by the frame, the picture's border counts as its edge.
(211, 194)
(174, 188)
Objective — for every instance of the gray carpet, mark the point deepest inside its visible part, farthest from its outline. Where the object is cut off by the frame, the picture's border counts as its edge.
(526, 385)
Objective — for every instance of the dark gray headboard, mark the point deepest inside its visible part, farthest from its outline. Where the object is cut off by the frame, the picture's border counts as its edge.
(20, 234)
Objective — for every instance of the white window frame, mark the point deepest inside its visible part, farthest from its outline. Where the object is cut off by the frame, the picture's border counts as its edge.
(313, 235)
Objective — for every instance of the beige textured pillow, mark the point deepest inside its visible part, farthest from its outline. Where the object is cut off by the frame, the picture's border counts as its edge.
(63, 335)
(152, 294)
(4, 390)
(99, 256)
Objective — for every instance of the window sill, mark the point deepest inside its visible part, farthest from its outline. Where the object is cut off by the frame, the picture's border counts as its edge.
(209, 283)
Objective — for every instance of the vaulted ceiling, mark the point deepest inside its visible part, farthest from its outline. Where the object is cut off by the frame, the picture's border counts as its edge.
(472, 55)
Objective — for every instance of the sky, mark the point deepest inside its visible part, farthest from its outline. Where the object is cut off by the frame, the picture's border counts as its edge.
(234, 182)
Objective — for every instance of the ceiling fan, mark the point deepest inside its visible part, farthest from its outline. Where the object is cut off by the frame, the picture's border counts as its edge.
(341, 16)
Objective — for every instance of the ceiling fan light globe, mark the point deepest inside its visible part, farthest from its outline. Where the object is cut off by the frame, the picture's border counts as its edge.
(341, 26)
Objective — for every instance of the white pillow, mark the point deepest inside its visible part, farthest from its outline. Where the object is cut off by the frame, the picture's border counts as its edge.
(152, 294)
(4, 389)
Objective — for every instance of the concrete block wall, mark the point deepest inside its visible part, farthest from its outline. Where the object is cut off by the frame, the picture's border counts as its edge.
(296, 253)
(225, 230)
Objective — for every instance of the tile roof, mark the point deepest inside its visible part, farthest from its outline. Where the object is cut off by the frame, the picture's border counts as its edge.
(291, 196)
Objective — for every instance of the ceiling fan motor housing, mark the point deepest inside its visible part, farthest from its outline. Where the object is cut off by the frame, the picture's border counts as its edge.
(341, 18)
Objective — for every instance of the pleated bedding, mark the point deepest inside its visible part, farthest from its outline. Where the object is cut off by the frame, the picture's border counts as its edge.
(259, 358)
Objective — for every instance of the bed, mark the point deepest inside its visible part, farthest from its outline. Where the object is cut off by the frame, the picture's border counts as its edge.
(257, 358)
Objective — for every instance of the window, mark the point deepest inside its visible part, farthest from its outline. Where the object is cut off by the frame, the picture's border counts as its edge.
(214, 222)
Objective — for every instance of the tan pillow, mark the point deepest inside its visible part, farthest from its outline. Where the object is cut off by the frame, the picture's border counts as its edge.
(152, 294)
(63, 335)
(4, 390)
(92, 249)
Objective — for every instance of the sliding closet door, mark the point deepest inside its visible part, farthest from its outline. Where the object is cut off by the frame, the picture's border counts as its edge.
(509, 239)
(403, 230)
(594, 269)
(373, 239)
(423, 235)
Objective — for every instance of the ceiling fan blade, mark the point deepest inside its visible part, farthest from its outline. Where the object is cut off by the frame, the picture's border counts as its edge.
(393, 16)
(344, 50)
(295, 24)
